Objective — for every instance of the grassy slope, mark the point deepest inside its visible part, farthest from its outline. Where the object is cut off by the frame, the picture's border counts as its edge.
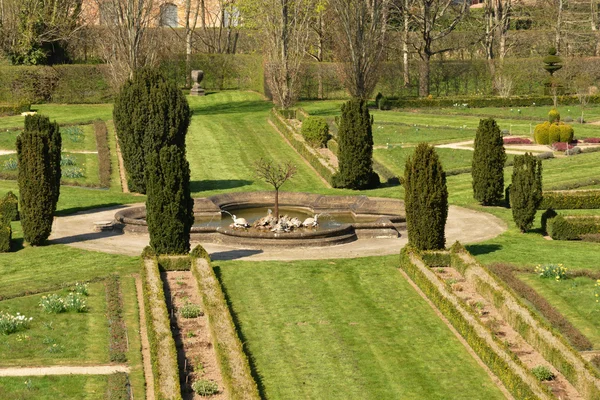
(347, 329)
(70, 387)
(81, 338)
(575, 299)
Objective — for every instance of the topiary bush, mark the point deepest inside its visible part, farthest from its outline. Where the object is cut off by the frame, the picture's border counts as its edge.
(566, 133)
(5, 235)
(553, 130)
(541, 133)
(488, 163)
(553, 116)
(355, 155)
(9, 207)
(149, 113)
(526, 190)
(169, 204)
(38, 153)
(315, 131)
(553, 134)
(426, 199)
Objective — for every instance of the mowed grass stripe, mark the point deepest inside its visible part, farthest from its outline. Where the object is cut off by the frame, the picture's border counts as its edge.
(347, 329)
(228, 133)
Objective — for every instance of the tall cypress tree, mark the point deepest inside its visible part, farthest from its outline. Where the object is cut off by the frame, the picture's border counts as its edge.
(38, 154)
(149, 113)
(355, 155)
(169, 205)
(488, 163)
(426, 199)
(526, 190)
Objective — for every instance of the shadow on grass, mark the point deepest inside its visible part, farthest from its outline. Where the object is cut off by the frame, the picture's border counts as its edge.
(84, 237)
(479, 249)
(233, 254)
(251, 360)
(92, 208)
(235, 107)
(200, 186)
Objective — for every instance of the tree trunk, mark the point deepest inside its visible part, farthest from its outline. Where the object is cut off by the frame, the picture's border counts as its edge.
(424, 75)
(558, 26)
(276, 205)
(405, 70)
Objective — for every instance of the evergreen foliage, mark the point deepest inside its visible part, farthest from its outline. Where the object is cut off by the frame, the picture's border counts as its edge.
(488, 163)
(526, 190)
(315, 131)
(38, 153)
(169, 205)
(426, 199)
(9, 207)
(149, 113)
(355, 154)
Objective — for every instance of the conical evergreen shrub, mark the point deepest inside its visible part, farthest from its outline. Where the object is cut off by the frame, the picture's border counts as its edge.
(426, 199)
(526, 190)
(38, 154)
(149, 113)
(355, 154)
(488, 163)
(169, 205)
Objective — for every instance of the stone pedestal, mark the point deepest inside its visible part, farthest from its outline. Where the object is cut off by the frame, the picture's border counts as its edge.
(197, 76)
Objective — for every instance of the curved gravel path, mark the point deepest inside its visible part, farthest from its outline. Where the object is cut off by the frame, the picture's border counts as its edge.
(464, 225)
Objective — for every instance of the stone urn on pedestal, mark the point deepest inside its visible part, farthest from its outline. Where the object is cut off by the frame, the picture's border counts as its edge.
(197, 76)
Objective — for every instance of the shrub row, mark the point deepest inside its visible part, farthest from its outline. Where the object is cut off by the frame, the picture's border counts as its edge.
(538, 333)
(174, 263)
(513, 373)
(104, 164)
(436, 258)
(278, 120)
(235, 368)
(7, 109)
(561, 200)
(554, 317)
(162, 346)
(549, 133)
(116, 324)
(118, 387)
(572, 227)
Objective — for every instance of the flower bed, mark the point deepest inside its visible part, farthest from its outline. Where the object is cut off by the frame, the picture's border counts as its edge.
(516, 140)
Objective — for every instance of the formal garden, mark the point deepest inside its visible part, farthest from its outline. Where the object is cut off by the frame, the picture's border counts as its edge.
(299, 200)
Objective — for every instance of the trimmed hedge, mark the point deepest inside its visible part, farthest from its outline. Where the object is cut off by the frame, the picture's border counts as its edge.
(5, 235)
(315, 131)
(9, 207)
(233, 362)
(563, 200)
(165, 370)
(478, 102)
(554, 317)
(104, 165)
(467, 325)
(537, 332)
(174, 263)
(114, 313)
(572, 227)
(7, 109)
(278, 119)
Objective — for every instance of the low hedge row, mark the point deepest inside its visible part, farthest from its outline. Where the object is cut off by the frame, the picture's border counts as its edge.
(116, 325)
(562, 200)
(478, 102)
(104, 164)
(174, 263)
(163, 353)
(554, 317)
(572, 227)
(233, 362)
(538, 333)
(512, 379)
(278, 120)
(7, 109)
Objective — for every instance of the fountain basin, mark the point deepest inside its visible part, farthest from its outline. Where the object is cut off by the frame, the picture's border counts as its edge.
(344, 219)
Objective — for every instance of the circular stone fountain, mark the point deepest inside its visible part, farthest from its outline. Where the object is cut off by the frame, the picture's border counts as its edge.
(342, 219)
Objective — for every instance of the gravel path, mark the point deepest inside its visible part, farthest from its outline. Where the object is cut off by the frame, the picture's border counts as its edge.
(76, 230)
(510, 149)
(64, 370)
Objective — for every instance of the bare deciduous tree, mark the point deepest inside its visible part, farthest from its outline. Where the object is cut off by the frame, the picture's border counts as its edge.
(275, 175)
(130, 45)
(434, 20)
(361, 32)
(497, 22)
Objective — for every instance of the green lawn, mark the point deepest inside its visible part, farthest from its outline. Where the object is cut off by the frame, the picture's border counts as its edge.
(55, 339)
(397, 133)
(66, 387)
(63, 114)
(575, 299)
(395, 158)
(86, 140)
(347, 329)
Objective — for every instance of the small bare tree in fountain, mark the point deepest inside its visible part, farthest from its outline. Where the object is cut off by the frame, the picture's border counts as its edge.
(275, 175)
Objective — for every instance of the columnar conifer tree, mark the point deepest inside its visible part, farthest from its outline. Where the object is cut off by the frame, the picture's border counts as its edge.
(149, 113)
(169, 205)
(426, 199)
(38, 154)
(526, 190)
(355, 153)
(488, 163)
